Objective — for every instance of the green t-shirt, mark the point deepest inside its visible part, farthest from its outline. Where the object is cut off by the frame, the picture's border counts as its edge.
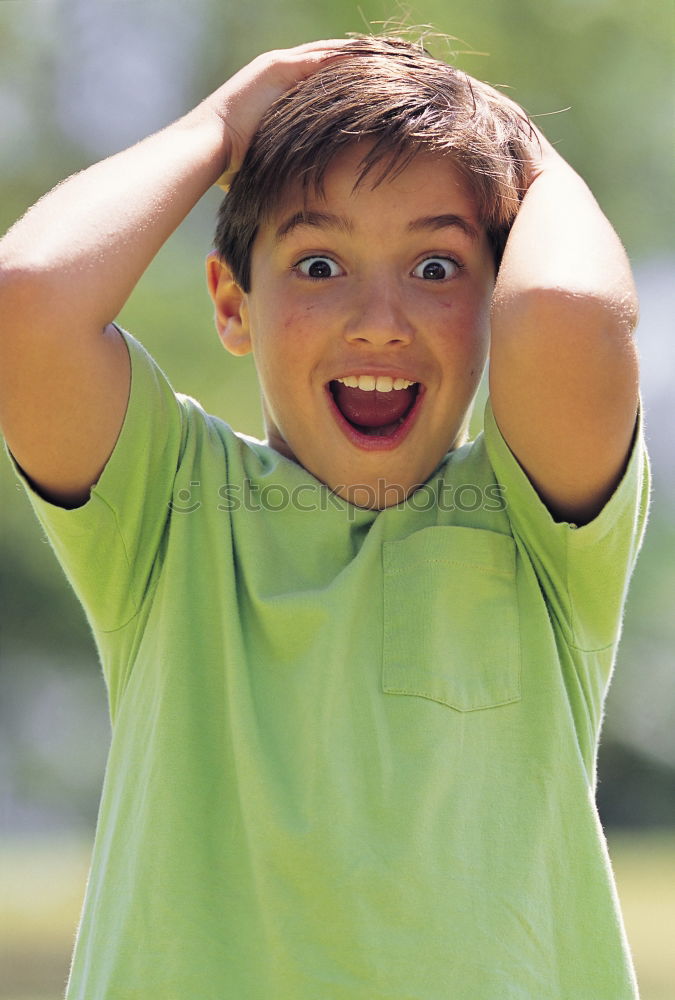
(353, 752)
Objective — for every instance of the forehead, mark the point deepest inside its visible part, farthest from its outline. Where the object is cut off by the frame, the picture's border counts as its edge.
(429, 195)
(429, 186)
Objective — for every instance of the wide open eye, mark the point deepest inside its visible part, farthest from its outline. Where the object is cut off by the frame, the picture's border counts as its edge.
(436, 268)
(318, 267)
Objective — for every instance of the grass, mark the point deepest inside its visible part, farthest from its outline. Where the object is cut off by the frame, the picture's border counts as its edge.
(644, 867)
(43, 882)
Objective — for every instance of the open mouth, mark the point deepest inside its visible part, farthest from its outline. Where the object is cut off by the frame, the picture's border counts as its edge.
(375, 412)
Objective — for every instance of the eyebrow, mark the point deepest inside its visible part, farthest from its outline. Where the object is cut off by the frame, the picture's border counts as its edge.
(320, 220)
(327, 220)
(435, 222)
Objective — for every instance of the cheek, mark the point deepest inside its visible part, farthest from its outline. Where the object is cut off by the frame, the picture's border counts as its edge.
(284, 350)
(275, 331)
(465, 329)
(296, 324)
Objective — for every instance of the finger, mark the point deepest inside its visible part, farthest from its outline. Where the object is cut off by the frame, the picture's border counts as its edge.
(319, 51)
(324, 44)
(299, 63)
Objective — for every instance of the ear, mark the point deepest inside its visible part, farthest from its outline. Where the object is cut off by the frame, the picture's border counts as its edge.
(231, 306)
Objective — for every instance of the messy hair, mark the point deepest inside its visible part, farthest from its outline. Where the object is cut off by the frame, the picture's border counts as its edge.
(401, 99)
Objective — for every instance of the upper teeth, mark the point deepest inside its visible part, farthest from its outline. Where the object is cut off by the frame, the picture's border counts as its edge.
(383, 383)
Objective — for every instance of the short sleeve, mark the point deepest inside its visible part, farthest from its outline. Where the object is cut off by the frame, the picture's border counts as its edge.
(108, 546)
(583, 571)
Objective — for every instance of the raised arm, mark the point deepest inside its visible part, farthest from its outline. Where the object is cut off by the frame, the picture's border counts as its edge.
(563, 363)
(69, 265)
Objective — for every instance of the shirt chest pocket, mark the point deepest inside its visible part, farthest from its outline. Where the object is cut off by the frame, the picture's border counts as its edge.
(451, 629)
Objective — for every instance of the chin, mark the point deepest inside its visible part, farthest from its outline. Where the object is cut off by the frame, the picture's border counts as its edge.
(375, 496)
(377, 492)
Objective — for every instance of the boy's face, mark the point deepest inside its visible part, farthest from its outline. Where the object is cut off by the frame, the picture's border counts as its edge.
(391, 283)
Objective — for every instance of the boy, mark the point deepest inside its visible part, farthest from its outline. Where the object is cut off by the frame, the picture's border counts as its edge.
(356, 673)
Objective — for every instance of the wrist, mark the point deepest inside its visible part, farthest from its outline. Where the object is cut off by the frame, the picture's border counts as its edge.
(544, 158)
(209, 134)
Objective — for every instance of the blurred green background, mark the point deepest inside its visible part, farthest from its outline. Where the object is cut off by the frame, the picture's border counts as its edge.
(80, 80)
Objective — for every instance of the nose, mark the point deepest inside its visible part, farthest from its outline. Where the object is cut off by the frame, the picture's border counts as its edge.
(378, 317)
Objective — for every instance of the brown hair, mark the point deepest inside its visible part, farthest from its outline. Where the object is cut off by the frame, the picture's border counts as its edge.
(397, 95)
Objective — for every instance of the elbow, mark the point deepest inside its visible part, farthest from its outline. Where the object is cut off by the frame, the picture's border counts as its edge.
(627, 308)
(18, 275)
(27, 294)
(20, 267)
(611, 313)
(18, 294)
(24, 260)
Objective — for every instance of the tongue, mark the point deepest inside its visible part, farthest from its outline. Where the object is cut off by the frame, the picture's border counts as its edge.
(372, 409)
